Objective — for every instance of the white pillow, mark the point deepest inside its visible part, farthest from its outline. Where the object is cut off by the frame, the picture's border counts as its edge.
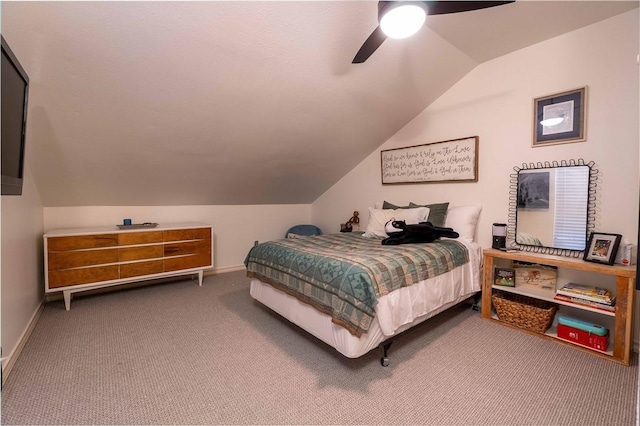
(379, 217)
(463, 220)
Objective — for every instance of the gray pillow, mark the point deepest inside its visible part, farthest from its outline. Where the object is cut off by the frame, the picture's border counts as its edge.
(388, 206)
(437, 212)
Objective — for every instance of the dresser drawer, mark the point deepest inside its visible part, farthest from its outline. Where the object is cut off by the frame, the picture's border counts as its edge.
(139, 253)
(191, 247)
(131, 238)
(187, 234)
(82, 242)
(67, 277)
(187, 262)
(138, 269)
(75, 259)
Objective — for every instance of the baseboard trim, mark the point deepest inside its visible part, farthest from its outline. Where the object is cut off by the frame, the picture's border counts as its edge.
(9, 361)
(224, 270)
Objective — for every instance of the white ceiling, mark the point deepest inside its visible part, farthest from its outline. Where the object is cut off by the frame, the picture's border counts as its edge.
(171, 103)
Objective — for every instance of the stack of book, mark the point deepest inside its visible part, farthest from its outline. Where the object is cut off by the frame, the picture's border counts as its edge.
(584, 295)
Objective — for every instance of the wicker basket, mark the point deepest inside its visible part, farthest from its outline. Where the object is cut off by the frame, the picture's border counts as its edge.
(524, 312)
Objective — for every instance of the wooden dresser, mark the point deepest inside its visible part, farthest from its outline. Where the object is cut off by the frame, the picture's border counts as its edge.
(88, 258)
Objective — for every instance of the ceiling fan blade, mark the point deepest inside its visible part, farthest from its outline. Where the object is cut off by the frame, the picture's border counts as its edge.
(434, 7)
(370, 45)
(443, 7)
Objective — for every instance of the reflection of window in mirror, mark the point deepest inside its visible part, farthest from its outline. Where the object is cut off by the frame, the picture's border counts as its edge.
(552, 206)
(572, 203)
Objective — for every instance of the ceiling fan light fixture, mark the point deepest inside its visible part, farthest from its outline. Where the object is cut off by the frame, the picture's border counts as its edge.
(552, 121)
(402, 19)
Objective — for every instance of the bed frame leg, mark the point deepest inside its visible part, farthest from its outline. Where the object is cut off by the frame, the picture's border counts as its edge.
(385, 359)
(476, 301)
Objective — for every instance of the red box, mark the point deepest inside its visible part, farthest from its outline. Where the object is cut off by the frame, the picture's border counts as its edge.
(585, 338)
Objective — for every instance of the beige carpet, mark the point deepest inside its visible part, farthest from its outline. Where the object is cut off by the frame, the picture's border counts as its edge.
(177, 353)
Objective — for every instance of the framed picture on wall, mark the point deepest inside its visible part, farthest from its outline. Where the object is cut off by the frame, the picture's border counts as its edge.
(560, 118)
(602, 247)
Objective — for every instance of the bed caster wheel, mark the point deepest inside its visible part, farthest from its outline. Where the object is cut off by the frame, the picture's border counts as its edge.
(384, 361)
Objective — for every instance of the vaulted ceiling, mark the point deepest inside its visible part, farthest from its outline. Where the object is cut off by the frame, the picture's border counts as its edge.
(225, 102)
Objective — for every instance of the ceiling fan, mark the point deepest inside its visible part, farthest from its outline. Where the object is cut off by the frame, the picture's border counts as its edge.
(415, 13)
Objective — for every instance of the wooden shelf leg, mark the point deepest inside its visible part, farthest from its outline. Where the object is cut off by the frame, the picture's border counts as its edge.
(487, 281)
(623, 324)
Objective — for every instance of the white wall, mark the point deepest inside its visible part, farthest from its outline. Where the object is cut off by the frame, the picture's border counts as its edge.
(235, 228)
(495, 102)
(22, 264)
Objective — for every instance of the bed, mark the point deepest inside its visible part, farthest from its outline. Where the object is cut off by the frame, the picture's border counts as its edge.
(354, 293)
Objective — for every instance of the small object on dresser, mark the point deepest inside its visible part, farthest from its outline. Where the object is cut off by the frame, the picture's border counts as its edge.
(587, 292)
(138, 225)
(126, 222)
(504, 276)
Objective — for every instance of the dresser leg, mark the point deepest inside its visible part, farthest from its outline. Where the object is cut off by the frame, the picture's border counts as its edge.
(67, 299)
(200, 277)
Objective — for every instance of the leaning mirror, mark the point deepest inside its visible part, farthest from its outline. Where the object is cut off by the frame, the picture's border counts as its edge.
(551, 206)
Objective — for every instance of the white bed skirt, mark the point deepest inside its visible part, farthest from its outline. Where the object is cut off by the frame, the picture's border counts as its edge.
(395, 312)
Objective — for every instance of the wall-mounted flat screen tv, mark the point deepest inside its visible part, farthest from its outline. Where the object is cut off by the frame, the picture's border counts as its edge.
(14, 86)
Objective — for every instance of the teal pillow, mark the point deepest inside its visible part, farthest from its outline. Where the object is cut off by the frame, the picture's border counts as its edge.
(437, 212)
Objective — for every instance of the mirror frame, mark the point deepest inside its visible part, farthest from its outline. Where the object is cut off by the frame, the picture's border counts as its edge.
(513, 203)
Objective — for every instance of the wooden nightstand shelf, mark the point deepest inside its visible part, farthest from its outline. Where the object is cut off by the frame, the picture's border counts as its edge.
(87, 258)
(622, 326)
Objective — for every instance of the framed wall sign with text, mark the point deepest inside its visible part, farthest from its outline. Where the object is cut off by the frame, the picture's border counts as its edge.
(448, 161)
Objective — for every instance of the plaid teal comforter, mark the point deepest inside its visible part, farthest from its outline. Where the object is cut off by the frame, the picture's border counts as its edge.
(343, 274)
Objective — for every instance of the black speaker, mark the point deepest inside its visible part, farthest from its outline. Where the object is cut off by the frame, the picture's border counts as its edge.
(499, 236)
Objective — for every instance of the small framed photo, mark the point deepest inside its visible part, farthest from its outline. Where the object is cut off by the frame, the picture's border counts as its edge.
(602, 248)
(504, 276)
(560, 118)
